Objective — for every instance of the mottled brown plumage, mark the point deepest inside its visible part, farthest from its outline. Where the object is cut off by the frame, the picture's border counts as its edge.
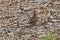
(33, 19)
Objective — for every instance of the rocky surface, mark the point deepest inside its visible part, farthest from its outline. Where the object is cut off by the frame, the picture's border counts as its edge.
(29, 19)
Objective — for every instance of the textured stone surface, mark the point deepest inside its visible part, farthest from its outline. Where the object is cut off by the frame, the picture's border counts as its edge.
(29, 19)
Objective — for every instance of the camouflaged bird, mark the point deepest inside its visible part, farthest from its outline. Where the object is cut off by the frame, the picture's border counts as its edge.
(33, 19)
